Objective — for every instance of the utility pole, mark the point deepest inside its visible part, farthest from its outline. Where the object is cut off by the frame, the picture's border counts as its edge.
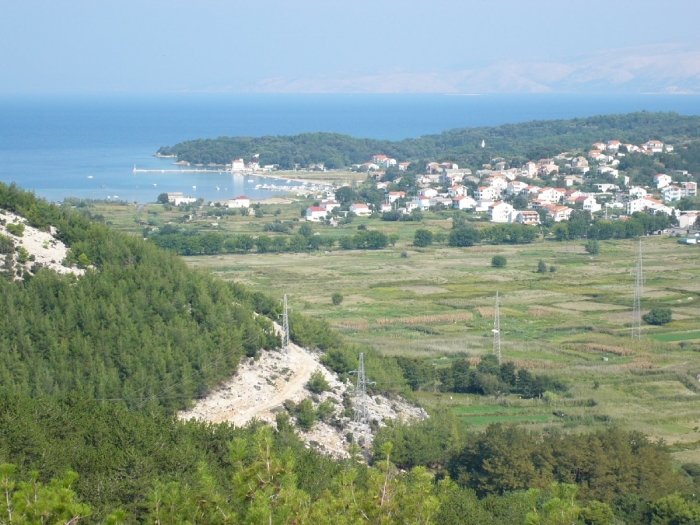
(361, 409)
(285, 326)
(497, 331)
(637, 303)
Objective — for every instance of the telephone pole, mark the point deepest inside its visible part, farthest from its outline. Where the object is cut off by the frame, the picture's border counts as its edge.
(497, 332)
(637, 303)
(361, 409)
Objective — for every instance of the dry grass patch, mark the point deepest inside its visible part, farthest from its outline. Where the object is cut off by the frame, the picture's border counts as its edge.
(428, 319)
(424, 289)
(589, 306)
(540, 311)
(486, 311)
(361, 324)
(606, 349)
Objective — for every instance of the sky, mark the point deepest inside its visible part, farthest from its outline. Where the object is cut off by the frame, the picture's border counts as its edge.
(252, 45)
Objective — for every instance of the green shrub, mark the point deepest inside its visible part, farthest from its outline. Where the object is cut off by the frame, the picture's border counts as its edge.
(6, 244)
(658, 316)
(317, 383)
(593, 247)
(16, 229)
(336, 298)
(541, 267)
(306, 415)
(423, 238)
(498, 261)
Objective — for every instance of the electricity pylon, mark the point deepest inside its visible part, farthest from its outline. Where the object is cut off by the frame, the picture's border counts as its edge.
(285, 326)
(361, 408)
(497, 332)
(637, 303)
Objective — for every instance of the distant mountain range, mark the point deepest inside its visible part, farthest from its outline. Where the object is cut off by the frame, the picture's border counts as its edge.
(668, 69)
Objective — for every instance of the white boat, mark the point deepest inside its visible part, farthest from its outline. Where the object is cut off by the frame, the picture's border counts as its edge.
(154, 184)
(251, 180)
(89, 176)
(217, 188)
(194, 187)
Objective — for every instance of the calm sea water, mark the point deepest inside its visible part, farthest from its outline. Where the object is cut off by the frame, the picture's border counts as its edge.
(52, 145)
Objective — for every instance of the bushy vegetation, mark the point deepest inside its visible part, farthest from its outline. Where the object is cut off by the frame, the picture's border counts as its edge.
(658, 316)
(498, 261)
(532, 140)
(94, 367)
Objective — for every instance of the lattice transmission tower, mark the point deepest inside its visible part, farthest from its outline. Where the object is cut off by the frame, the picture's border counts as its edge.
(637, 303)
(285, 326)
(497, 331)
(361, 408)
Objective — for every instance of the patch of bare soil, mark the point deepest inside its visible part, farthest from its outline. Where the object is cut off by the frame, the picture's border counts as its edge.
(260, 387)
(43, 247)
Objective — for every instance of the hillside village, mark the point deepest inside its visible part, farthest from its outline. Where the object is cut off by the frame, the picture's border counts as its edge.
(546, 190)
(522, 195)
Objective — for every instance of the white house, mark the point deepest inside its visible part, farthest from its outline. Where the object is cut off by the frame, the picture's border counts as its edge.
(515, 187)
(609, 170)
(177, 198)
(239, 202)
(662, 180)
(689, 189)
(528, 217)
(329, 206)
(500, 211)
(487, 193)
(456, 191)
(648, 203)
(403, 166)
(497, 181)
(421, 202)
(360, 209)
(558, 213)
(655, 146)
(637, 192)
(316, 213)
(384, 206)
(591, 205)
(463, 202)
(529, 170)
(671, 193)
(428, 192)
(238, 165)
(396, 195)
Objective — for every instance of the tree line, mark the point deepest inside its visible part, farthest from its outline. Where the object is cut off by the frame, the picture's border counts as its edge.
(526, 141)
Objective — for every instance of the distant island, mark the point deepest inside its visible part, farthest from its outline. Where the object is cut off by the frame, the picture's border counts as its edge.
(471, 147)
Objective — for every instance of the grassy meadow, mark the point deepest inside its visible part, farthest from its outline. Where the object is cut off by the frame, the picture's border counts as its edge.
(438, 302)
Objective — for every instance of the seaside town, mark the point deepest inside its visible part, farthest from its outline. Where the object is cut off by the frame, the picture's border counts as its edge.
(548, 189)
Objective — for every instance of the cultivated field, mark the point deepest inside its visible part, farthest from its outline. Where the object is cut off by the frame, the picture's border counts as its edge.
(438, 302)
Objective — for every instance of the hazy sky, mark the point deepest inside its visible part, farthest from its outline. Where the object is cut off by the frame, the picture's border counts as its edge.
(149, 45)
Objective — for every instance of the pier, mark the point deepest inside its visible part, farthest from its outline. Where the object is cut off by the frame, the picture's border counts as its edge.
(196, 170)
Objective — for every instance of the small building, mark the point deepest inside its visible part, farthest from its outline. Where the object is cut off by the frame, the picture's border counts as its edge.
(527, 217)
(316, 213)
(239, 202)
(330, 205)
(360, 209)
(463, 202)
(500, 211)
(238, 165)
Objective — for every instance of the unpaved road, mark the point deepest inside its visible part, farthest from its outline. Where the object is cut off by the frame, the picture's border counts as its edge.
(258, 387)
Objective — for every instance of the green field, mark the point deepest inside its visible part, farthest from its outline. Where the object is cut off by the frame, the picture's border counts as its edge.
(435, 302)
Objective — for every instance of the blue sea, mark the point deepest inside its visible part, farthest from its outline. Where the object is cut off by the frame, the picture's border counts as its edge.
(51, 145)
